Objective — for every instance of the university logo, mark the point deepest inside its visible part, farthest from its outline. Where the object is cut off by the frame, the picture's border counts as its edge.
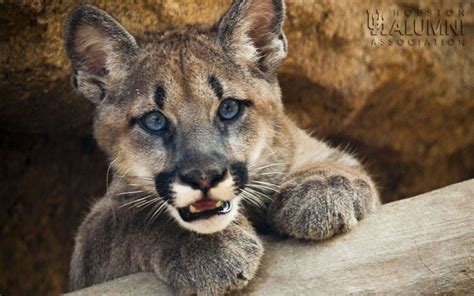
(427, 27)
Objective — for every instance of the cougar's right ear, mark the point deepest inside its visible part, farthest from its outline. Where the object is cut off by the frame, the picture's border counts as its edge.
(100, 50)
(252, 30)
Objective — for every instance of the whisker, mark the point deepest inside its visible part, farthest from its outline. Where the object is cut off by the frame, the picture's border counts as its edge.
(108, 172)
(259, 193)
(152, 212)
(137, 177)
(157, 210)
(268, 173)
(122, 177)
(143, 177)
(256, 203)
(147, 202)
(269, 166)
(272, 151)
(265, 183)
(252, 198)
(161, 209)
(141, 198)
(129, 192)
(256, 186)
(142, 186)
(136, 200)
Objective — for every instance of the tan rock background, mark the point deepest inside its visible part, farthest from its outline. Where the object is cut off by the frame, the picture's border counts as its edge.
(408, 111)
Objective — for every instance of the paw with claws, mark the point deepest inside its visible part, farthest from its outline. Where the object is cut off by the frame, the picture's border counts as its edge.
(320, 206)
(212, 264)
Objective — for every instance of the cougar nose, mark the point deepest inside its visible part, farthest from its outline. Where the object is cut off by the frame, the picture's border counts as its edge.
(203, 179)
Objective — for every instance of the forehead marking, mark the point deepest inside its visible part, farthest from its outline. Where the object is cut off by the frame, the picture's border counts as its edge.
(160, 94)
(216, 86)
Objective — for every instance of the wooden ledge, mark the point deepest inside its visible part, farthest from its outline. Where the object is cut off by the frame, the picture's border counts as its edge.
(424, 244)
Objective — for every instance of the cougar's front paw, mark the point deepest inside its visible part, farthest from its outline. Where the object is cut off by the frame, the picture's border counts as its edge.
(212, 264)
(319, 206)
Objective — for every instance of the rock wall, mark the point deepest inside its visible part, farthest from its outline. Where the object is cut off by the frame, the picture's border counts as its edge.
(407, 110)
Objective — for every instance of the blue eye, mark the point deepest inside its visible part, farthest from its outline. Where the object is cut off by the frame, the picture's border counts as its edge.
(229, 109)
(153, 122)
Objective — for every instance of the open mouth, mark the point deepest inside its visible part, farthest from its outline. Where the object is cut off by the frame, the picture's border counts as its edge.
(204, 208)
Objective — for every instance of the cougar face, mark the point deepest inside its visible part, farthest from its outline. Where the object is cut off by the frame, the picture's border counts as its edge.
(192, 127)
(180, 114)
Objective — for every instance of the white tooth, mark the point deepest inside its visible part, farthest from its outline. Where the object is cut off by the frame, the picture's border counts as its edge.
(193, 209)
(218, 204)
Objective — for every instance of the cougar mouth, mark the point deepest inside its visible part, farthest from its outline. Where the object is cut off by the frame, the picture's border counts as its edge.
(204, 208)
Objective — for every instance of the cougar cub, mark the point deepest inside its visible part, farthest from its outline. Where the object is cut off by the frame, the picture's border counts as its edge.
(201, 151)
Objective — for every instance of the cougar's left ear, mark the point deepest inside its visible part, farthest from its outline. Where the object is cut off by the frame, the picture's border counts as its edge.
(100, 50)
(252, 31)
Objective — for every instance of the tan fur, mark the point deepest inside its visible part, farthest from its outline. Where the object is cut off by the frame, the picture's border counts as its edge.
(271, 173)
